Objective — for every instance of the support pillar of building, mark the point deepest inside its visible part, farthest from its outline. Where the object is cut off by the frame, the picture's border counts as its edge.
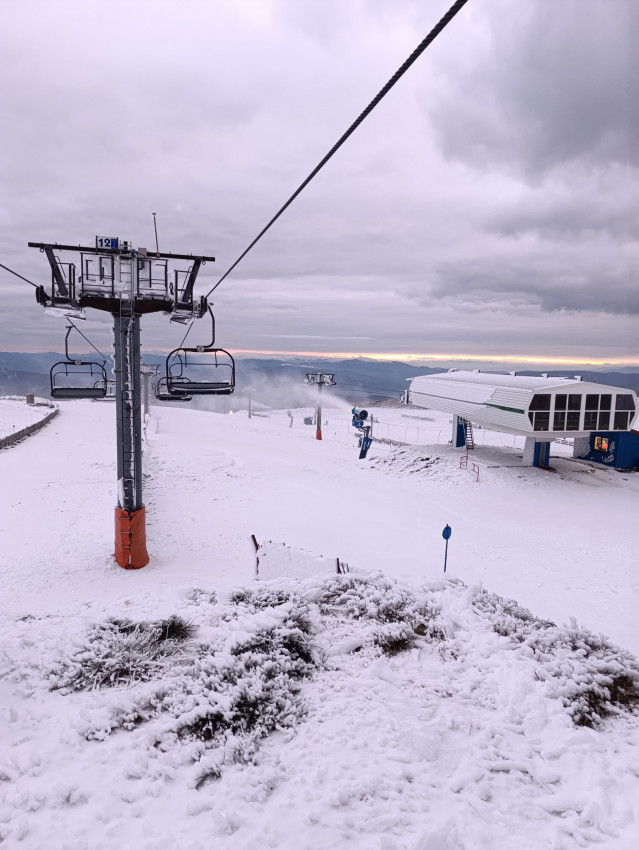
(536, 452)
(459, 435)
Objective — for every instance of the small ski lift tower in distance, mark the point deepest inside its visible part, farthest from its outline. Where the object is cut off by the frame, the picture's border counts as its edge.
(322, 380)
(201, 370)
(71, 379)
(147, 370)
(128, 283)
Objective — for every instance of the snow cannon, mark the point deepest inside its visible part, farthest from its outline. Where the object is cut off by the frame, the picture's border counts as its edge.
(359, 417)
(359, 421)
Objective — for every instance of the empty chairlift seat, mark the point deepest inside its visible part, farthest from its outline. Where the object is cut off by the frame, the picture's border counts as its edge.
(162, 393)
(206, 372)
(78, 379)
(71, 379)
(202, 370)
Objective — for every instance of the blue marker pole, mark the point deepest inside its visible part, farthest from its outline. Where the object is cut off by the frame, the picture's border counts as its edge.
(446, 535)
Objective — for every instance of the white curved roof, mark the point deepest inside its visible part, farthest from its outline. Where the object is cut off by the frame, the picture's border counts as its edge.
(502, 402)
(524, 382)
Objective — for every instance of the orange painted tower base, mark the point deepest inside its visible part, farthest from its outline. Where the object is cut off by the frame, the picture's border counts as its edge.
(318, 435)
(130, 539)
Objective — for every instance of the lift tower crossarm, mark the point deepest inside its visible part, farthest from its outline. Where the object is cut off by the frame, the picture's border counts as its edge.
(57, 275)
(190, 283)
(44, 246)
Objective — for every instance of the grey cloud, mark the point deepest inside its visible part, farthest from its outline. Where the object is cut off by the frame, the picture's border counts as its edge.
(212, 113)
(514, 282)
(554, 84)
(578, 217)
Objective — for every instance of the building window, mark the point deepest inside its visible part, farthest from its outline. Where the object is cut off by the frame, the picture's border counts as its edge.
(559, 421)
(590, 420)
(572, 421)
(604, 420)
(601, 444)
(539, 411)
(574, 402)
(625, 402)
(621, 420)
(592, 402)
(560, 402)
(540, 402)
(542, 421)
(605, 402)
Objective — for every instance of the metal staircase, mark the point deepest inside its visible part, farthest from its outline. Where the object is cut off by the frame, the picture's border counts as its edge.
(468, 434)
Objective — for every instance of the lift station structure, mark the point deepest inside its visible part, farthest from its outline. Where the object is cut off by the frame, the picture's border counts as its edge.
(129, 283)
(539, 408)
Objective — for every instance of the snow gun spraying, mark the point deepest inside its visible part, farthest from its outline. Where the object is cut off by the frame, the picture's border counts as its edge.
(359, 421)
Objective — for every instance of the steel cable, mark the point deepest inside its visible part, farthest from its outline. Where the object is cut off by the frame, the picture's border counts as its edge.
(432, 35)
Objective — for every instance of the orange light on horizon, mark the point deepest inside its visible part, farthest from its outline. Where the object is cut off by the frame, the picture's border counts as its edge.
(482, 358)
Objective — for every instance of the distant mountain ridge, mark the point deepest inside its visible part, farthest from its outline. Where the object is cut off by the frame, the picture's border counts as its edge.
(280, 382)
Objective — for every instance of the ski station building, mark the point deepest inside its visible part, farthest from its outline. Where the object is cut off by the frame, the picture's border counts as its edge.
(541, 409)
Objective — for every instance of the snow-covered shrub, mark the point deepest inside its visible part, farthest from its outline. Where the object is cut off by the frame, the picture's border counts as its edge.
(379, 613)
(120, 652)
(376, 598)
(593, 678)
(265, 596)
(199, 596)
(381, 599)
(394, 638)
(248, 698)
(508, 617)
(226, 695)
(288, 644)
(175, 629)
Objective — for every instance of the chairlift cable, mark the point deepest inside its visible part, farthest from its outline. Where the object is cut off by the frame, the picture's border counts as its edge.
(26, 279)
(432, 35)
(188, 331)
(88, 340)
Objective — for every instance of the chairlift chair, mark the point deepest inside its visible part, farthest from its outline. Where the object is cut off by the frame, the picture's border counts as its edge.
(162, 394)
(182, 374)
(71, 379)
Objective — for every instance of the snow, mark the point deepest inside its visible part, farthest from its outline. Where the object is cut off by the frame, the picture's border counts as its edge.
(16, 414)
(446, 728)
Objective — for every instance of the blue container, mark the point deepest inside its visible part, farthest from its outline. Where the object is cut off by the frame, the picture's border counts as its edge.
(618, 449)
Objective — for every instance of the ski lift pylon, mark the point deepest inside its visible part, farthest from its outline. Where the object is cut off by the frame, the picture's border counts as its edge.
(185, 374)
(71, 379)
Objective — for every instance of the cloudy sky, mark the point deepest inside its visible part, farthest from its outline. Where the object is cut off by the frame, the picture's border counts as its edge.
(488, 208)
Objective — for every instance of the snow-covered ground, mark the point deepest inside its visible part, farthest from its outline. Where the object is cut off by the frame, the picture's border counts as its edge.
(424, 713)
(16, 414)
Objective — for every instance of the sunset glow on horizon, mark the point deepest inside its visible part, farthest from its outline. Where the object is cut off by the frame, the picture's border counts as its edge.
(481, 358)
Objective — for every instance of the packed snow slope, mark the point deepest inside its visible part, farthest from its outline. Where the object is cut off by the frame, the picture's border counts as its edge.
(189, 704)
(16, 414)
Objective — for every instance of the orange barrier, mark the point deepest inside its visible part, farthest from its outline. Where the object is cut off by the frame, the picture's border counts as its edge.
(130, 539)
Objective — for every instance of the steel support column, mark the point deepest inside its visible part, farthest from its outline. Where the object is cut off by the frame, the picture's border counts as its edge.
(130, 533)
(128, 409)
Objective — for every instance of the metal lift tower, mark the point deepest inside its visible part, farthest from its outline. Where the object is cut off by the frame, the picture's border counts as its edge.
(322, 380)
(128, 283)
